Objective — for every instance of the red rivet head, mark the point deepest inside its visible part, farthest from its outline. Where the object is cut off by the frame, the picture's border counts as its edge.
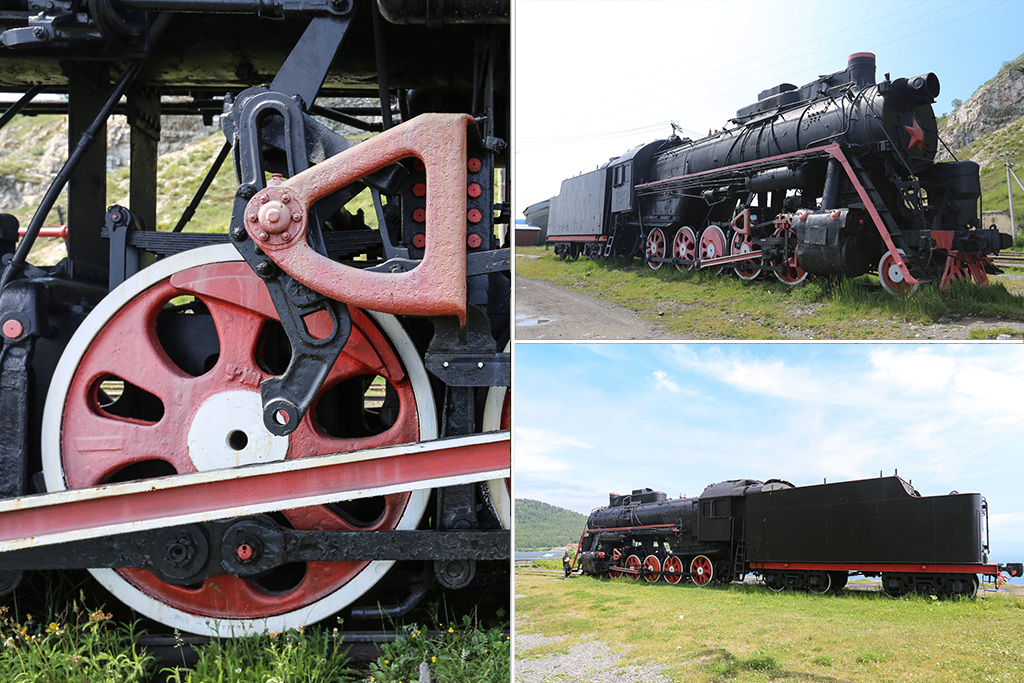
(474, 216)
(474, 190)
(244, 552)
(13, 329)
(474, 165)
(419, 215)
(418, 165)
(419, 189)
(419, 240)
(474, 241)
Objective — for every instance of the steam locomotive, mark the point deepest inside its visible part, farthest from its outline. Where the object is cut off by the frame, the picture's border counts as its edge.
(805, 538)
(305, 412)
(832, 178)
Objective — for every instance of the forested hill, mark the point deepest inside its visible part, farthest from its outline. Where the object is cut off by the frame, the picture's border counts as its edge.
(540, 526)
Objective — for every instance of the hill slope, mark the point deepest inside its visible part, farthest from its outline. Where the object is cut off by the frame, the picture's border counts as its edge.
(540, 526)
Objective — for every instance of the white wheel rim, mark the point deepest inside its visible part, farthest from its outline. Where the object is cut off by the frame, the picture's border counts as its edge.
(130, 595)
(494, 404)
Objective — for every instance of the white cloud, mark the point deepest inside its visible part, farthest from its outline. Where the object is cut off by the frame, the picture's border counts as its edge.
(662, 380)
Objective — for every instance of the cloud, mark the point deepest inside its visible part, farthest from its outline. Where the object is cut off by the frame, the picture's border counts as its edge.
(662, 380)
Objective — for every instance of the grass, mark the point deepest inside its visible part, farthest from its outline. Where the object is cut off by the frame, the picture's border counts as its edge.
(704, 305)
(78, 644)
(746, 633)
(52, 632)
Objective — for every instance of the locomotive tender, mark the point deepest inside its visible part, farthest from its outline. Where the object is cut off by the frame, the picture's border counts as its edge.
(808, 537)
(305, 412)
(832, 178)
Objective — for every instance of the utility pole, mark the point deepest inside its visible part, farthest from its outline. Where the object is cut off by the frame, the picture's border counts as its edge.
(1009, 190)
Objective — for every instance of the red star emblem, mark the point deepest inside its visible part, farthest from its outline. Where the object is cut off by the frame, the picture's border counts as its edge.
(916, 135)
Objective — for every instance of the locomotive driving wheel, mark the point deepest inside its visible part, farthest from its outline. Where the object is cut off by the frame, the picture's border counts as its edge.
(712, 245)
(164, 377)
(701, 570)
(656, 247)
(633, 562)
(673, 570)
(751, 268)
(684, 248)
(652, 569)
(788, 271)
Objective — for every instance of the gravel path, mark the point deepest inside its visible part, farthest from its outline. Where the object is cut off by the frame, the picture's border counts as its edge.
(587, 662)
(547, 311)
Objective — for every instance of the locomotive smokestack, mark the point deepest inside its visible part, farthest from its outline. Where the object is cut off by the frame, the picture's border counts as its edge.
(861, 67)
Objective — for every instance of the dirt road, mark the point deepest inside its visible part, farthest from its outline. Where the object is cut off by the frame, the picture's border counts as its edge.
(547, 311)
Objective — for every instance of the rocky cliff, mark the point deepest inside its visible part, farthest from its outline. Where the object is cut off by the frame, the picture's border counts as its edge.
(993, 106)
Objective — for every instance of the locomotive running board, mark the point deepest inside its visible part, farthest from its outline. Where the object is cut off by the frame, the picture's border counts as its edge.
(63, 516)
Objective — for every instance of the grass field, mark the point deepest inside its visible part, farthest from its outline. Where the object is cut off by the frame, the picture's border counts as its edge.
(746, 633)
(701, 305)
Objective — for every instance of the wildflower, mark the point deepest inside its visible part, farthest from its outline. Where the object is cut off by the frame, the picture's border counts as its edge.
(433, 660)
(238, 670)
(451, 630)
(53, 627)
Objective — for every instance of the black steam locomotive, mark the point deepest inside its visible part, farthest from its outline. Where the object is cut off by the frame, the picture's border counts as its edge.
(832, 178)
(303, 412)
(808, 537)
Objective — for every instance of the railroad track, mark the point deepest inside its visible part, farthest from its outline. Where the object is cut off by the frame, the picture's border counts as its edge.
(1007, 260)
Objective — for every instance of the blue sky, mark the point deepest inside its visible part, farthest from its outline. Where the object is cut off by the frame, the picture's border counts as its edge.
(601, 418)
(595, 78)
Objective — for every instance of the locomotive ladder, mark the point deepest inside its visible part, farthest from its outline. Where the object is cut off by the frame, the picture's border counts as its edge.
(883, 211)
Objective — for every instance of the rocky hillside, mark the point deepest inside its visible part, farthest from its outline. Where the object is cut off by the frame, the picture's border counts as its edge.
(993, 106)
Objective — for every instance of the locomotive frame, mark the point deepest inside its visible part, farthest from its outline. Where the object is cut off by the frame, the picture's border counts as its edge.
(305, 413)
(832, 178)
(811, 537)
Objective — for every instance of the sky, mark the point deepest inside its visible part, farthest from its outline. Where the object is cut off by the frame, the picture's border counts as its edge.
(595, 78)
(593, 419)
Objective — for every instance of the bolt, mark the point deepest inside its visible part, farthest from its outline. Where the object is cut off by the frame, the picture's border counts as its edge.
(13, 329)
(39, 32)
(246, 191)
(286, 198)
(264, 199)
(253, 218)
(238, 233)
(245, 552)
(264, 235)
(286, 236)
(480, 364)
(296, 216)
(264, 268)
(445, 364)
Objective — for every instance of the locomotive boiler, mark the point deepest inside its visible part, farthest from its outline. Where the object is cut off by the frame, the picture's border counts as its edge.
(304, 412)
(833, 178)
(808, 537)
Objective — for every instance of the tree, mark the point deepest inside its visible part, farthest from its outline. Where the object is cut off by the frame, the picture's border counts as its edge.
(956, 103)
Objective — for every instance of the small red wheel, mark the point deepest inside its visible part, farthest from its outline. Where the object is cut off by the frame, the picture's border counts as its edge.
(652, 567)
(633, 562)
(891, 277)
(655, 248)
(791, 273)
(701, 570)
(684, 247)
(673, 570)
(712, 245)
(746, 270)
